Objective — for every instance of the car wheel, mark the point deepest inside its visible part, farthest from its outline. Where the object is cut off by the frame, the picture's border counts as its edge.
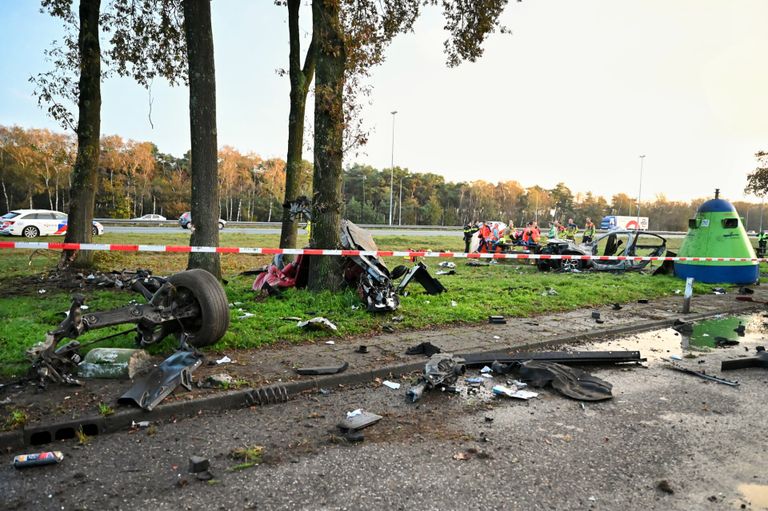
(30, 231)
(571, 264)
(204, 290)
(221, 225)
(94, 231)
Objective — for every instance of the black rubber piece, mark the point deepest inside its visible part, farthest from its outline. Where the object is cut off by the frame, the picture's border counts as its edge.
(571, 382)
(209, 294)
(759, 360)
(561, 357)
(322, 370)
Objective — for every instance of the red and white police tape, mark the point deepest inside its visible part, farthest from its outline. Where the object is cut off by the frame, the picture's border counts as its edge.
(329, 252)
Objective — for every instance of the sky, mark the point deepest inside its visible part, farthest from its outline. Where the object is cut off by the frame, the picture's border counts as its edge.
(575, 94)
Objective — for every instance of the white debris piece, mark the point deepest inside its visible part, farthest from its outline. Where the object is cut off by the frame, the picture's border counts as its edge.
(318, 323)
(391, 384)
(513, 392)
(224, 360)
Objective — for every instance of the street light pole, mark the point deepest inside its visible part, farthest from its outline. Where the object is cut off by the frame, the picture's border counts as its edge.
(400, 216)
(362, 204)
(640, 191)
(392, 169)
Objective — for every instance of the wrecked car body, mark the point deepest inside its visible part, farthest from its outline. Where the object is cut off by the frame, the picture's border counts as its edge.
(367, 273)
(627, 244)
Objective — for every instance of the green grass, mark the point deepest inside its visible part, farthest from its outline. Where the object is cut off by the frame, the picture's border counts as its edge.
(16, 419)
(510, 288)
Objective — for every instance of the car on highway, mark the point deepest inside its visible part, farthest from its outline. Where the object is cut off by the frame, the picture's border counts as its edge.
(32, 223)
(151, 217)
(185, 221)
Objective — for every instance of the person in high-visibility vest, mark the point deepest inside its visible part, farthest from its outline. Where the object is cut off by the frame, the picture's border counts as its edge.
(589, 231)
(308, 229)
(571, 230)
(469, 230)
(762, 242)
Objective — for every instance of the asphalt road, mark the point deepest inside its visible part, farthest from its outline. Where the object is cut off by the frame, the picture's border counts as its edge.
(703, 439)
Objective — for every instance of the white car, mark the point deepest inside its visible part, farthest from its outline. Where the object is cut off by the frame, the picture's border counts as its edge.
(151, 218)
(32, 223)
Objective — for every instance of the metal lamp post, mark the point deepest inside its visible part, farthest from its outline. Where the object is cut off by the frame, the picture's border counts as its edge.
(392, 169)
(640, 190)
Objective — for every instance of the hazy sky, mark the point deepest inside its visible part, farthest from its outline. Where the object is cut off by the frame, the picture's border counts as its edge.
(576, 93)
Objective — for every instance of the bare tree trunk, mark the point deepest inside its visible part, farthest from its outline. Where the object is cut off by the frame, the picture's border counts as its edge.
(327, 203)
(85, 174)
(5, 194)
(202, 119)
(300, 82)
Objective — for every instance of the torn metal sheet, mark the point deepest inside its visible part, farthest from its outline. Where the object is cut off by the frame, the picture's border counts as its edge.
(424, 348)
(149, 390)
(420, 274)
(574, 383)
(359, 419)
(318, 323)
(313, 371)
(513, 392)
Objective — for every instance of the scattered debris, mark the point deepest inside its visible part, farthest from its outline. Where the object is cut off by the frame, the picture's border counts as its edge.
(330, 343)
(166, 312)
(220, 380)
(224, 360)
(724, 342)
(445, 272)
(358, 419)
(198, 464)
(454, 303)
(513, 392)
(246, 315)
(595, 315)
(420, 273)
(746, 291)
(665, 487)
(616, 307)
(571, 382)
(441, 370)
(397, 319)
(702, 374)
(37, 459)
(684, 327)
(312, 371)
(424, 348)
(318, 323)
(718, 291)
(446, 264)
(643, 300)
(498, 320)
(362, 349)
(391, 384)
(499, 361)
(149, 390)
(113, 363)
(486, 369)
(759, 360)
(740, 330)
(388, 328)
(549, 292)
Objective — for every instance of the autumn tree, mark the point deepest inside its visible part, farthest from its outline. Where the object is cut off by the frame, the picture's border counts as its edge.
(757, 180)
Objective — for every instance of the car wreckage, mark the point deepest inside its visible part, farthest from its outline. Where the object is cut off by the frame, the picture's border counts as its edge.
(191, 305)
(367, 273)
(615, 243)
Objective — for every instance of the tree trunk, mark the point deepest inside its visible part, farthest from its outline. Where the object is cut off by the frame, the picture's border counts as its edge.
(5, 194)
(300, 81)
(202, 120)
(82, 193)
(327, 204)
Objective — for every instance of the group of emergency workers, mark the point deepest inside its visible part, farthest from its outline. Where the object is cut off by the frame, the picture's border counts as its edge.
(492, 235)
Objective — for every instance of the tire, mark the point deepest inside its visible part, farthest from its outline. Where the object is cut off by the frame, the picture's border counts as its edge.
(221, 225)
(30, 231)
(572, 264)
(205, 290)
(94, 231)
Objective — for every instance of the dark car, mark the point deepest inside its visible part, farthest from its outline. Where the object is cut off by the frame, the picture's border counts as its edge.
(614, 243)
(185, 221)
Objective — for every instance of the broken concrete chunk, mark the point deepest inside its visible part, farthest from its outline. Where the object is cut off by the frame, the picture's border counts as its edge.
(113, 363)
(219, 380)
(318, 323)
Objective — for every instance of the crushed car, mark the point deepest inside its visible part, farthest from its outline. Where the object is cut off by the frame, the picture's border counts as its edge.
(367, 273)
(615, 243)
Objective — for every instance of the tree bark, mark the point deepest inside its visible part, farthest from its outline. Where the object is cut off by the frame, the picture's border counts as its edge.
(202, 118)
(300, 81)
(82, 193)
(327, 202)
